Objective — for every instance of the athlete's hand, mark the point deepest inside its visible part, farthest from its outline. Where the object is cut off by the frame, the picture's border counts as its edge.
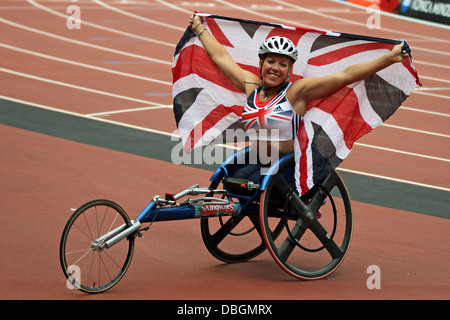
(400, 52)
(194, 21)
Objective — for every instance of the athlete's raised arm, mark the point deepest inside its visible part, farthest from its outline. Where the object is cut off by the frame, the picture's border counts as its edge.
(220, 56)
(305, 90)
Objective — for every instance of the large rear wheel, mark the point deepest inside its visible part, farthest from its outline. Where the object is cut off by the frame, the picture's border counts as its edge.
(318, 230)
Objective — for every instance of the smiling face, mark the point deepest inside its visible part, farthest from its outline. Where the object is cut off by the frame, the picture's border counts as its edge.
(275, 69)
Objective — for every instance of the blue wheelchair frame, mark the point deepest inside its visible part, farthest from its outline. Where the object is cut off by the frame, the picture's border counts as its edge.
(257, 202)
(189, 210)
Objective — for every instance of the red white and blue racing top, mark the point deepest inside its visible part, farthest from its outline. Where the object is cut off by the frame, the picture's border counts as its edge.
(272, 120)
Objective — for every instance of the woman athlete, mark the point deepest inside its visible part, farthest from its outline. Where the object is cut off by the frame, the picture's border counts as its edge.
(272, 86)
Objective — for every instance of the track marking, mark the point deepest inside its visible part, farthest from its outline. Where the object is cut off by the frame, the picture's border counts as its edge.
(437, 65)
(107, 113)
(394, 179)
(435, 79)
(64, 84)
(434, 88)
(135, 16)
(401, 152)
(81, 43)
(97, 26)
(416, 130)
(174, 7)
(440, 114)
(431, 94)
(84, 65)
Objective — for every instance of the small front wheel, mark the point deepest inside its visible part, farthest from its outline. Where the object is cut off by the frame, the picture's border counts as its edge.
(87, 267)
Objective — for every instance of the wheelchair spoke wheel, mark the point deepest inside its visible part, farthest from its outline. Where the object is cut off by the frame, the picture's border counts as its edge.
(234, 239)
(238, 238)
(86, 267)
(317, 232)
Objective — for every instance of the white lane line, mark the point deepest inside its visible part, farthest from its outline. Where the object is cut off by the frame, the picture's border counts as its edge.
(394, 179)
(434, 79)
(401, 152)
(416, 130)
(432, 94)
(434, 88)
(440, 114)
(437, 65)
(107, 113)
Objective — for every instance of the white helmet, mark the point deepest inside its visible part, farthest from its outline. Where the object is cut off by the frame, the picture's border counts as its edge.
(279, 45)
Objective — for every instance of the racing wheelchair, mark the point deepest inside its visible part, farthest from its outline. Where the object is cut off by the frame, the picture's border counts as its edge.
(308, 236)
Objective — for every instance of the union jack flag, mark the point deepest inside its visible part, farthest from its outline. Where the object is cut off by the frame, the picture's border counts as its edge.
(206, 103)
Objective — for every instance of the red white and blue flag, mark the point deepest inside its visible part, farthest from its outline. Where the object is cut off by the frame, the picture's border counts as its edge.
(206, 103)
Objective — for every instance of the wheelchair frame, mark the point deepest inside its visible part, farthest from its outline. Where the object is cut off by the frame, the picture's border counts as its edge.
(79, 248)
